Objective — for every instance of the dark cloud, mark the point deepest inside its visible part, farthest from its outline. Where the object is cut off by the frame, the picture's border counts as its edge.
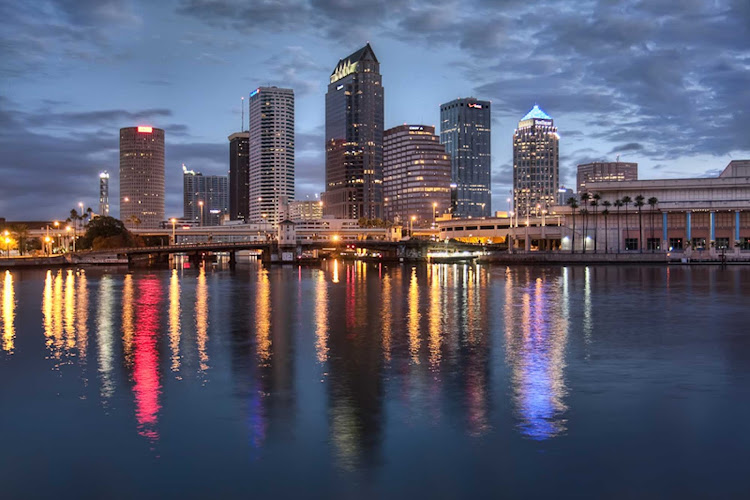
(631, 146)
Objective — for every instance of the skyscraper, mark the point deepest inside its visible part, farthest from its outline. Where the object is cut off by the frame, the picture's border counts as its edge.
(271, 153)
(599, 171)
(204, 195)
(536, 163)
(142, 177)
(416, 174)
(104, 193)
(239, 180)
(465, 131)
(354, 138)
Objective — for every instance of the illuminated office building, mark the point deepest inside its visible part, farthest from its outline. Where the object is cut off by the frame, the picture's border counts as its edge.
(465, 132)
(239, 180)
(536, 164)
(104, 193)
(416, 175)
(271, 153)
(599, 171)
(205, 196)
(354, 138)
(141, 177)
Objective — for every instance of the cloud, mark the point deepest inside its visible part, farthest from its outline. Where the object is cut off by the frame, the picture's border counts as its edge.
(631, 146)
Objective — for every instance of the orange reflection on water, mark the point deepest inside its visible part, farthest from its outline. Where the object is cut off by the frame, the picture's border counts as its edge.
(321, 318)
(263, 317)
(9, 312)
(69, 305)
(147, 386)
(436, 316)
(128, 315)
(336, 271)
(174, 320)
(387, 299)
(82, 315)
(201, 319)
(52, 301)
(414, 317)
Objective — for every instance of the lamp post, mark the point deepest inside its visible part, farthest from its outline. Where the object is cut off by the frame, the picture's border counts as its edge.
(200, 204)
(174, 222)
(411, 226)
(6, 235)
(67, 238)
(57, 229)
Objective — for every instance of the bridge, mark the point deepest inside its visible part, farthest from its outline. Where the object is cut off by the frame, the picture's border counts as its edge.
(272, 251)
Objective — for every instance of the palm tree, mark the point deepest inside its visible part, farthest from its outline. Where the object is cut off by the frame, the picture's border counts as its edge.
(585, 197)
(618, 204)
(627, 200)
(595, 203)
(652, 202)
(21, 234)
(639, 204)
(584, 212)
(573, 205)
(605, 213)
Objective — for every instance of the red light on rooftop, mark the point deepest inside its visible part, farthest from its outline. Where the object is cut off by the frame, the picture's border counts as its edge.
(145, 130)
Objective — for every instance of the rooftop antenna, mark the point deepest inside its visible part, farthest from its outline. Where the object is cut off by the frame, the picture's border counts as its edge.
(242, 128)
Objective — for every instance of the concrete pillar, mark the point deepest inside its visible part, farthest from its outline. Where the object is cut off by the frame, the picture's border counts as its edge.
(664, 232)
(736, 226)
(712, 217)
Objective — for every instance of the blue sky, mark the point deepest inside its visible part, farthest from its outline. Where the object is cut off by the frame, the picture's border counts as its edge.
(668, 88)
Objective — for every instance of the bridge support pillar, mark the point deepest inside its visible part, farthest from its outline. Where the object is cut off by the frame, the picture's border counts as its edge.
(232, 259)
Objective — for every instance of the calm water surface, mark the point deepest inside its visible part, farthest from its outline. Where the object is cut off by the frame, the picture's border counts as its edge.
(366, 381)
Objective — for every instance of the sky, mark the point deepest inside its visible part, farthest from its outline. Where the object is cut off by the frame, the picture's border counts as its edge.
(664, 83)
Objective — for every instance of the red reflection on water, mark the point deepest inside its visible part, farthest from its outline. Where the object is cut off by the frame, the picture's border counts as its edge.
(146, 358)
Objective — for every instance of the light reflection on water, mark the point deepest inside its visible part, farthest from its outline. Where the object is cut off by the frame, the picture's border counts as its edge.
(351, 356)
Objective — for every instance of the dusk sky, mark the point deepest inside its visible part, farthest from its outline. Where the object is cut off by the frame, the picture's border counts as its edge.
(665, 86)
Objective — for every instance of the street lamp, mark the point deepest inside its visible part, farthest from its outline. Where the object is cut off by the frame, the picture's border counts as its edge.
(47, 245)
(174, 222)
(200, 204)
(411, 226)
(67, 238)
(57, 228)
(7, 243)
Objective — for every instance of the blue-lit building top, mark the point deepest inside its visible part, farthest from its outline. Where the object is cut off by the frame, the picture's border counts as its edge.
(465, 132)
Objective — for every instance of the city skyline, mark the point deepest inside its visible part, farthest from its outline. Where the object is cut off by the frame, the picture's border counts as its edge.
(676, 112)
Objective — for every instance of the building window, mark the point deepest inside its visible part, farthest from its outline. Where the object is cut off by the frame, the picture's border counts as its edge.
(631, 243)
(653, 244)
(699, 243)
(722, 242)
(675, 243)
(745, 243)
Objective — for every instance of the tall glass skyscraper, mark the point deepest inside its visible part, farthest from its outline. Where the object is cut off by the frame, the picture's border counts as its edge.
(104, 193)
(211, 191)
(465, 131)
(536, 163)
(142, 177)
(354, 138)
(271, 153)
(239, 176)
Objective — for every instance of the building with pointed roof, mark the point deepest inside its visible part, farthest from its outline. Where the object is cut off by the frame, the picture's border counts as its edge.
(354, 138)
(536, 164)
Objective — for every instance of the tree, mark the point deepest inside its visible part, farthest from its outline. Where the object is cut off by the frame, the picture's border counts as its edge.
(585, 197)
(605, 213)
(106, 232)
(618, 204)
(573, 204)
(595, 203)
(652, 202)
(133, 219)
(21, 235)
(639, 204)
(627, 200)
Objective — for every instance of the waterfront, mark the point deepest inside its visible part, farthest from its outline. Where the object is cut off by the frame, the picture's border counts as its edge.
(367, 380)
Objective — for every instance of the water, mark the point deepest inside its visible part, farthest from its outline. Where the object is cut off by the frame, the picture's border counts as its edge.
(366, 381)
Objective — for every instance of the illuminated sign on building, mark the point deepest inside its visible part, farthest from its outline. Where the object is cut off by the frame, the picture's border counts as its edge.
(475, 105)
(339, 87)
(343, 69)
(254, 92)
(416, 127)
(543, 122)
(145, 130)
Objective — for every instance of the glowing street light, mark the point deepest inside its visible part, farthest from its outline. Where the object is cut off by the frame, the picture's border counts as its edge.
(411, 226)
(200, 204)
(174, 222)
